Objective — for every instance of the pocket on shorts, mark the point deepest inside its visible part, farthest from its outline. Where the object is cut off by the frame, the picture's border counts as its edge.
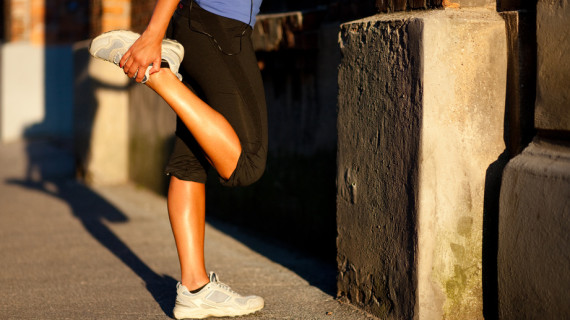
(225, 33)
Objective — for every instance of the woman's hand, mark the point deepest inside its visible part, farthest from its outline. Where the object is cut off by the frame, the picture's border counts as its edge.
(147, 49)
(144, 52)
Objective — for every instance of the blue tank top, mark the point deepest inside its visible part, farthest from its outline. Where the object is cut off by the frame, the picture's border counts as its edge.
(241, 10)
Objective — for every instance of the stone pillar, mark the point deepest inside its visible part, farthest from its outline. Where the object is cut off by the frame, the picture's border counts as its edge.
(534, 228)
(102, 106)
(101, 119)
(421, 111)
(553, 78)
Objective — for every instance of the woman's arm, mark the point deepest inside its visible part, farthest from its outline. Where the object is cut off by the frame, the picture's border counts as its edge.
(146, 50)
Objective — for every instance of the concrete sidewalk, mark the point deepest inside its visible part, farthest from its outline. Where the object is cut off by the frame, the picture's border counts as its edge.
(72, 252)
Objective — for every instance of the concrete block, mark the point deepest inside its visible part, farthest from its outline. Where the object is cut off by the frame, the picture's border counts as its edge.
(36, 95)
(553, 65)
(22, 92)
(101, 119)
(421, 111)
(534, 234)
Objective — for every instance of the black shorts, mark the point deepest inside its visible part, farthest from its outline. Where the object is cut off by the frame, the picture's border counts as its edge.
(231, 84)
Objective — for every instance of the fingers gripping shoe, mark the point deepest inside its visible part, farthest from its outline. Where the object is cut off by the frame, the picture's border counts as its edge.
(214, 300)
(111, 46)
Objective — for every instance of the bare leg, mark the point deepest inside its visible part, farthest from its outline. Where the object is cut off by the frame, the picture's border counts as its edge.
(211, 130)
(187, 212)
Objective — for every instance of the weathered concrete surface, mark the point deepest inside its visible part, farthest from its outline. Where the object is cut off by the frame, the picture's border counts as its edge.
(378, 144)
(553, 79)
(533, 257)
(421, 109)
(101, 119)
(465, 64)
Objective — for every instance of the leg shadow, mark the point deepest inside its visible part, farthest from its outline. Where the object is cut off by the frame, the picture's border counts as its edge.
(50, 170)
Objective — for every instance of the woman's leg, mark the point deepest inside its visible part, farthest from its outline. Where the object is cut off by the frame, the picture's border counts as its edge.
(186, 209)
(211, 130)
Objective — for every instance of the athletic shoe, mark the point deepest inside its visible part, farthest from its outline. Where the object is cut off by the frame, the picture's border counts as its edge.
(172, 52)
(214, 300)
(111, 46)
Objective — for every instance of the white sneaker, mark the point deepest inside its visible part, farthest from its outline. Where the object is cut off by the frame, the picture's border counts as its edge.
(111, 46)
(172, 52)
(214, 300)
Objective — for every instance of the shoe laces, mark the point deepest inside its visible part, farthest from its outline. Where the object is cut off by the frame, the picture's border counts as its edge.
(214, 280)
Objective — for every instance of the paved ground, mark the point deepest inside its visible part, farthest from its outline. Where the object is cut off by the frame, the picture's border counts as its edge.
(72, 252)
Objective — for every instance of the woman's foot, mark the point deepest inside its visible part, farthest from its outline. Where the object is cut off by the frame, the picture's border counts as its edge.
(111, 46)
(214, 300)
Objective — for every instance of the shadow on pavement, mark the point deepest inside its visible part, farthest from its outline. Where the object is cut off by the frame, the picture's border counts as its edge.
(50, 170)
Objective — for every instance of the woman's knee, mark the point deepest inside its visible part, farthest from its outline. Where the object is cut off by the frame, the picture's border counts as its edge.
(249, 169)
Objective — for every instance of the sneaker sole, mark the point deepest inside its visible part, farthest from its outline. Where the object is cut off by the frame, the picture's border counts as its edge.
(105, 40)
(201, 313)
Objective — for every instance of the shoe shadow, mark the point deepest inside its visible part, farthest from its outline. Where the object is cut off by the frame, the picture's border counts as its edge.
(50, 170)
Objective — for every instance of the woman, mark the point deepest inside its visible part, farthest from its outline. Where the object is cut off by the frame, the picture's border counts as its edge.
(221, 122)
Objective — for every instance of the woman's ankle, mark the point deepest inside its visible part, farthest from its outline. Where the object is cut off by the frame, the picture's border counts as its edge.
(195, 284)
(161, 75)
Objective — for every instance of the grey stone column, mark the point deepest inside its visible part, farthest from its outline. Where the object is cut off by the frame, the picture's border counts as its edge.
(101, 119)
(534, 221)
(421, 111)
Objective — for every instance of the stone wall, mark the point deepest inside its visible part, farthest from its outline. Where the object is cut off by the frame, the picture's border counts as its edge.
(421, 117)
(534, 233)
(533, 240)
(379, 129)
(100, 119)
(101, 103)
(553, 78)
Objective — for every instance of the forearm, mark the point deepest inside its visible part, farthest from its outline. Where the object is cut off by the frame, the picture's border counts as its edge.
(160, 17)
